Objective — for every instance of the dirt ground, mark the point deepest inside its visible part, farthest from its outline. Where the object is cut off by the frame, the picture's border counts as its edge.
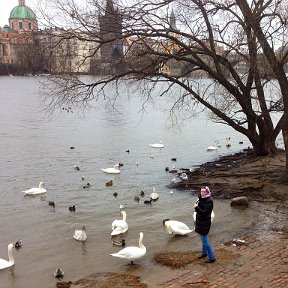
(255, 260)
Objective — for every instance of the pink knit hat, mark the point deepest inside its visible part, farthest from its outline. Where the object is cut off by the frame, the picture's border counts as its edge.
(208, 192)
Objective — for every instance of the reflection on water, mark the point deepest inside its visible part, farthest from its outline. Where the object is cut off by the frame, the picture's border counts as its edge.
(35, 148)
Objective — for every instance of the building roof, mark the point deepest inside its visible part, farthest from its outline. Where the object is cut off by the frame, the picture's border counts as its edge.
(22, 12)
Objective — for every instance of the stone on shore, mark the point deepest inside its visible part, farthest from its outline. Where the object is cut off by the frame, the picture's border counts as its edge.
(240, 201)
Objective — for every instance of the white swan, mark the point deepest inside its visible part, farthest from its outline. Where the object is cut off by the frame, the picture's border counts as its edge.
(157, 145)
(176, 227)
(114, 170)
(80, 235)
(119, 226)
(211, 148)
(154, 195)
(6, 264)
(132, 253)
(35, 191)
(212, 216)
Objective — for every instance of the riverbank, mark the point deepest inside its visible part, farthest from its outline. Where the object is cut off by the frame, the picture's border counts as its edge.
(240, 174)
(257, 258)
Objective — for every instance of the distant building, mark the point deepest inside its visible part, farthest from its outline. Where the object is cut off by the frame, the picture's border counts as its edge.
(22, 18)
(66, 51)
(17, 38)
(111, 28)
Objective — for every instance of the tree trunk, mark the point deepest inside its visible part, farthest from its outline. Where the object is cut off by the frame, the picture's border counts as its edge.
(285, 138)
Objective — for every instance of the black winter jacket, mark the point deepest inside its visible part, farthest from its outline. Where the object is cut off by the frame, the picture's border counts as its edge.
(203, 215)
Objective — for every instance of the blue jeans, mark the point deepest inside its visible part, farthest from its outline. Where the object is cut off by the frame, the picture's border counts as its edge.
(206, 247)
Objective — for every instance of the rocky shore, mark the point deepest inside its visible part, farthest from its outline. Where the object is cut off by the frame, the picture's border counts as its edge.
(240, 174)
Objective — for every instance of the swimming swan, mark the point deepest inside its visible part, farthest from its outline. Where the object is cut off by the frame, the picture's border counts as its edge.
(80, 235)
(176, 227)
(211, 148)
(132, 253)
(114, 170)
(212, 216)
(154, 195)
(35, 191)
(4, 263)
(119, 226)
(157, 145)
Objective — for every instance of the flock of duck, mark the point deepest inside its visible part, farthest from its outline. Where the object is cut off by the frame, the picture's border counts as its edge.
(119, 226)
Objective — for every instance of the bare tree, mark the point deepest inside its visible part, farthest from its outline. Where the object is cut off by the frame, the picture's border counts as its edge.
(238, 47)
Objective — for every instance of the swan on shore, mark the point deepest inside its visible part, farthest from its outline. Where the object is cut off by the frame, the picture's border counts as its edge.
(114, 170)
(4, 263)
(176, 227)
(119, 226)
(35, 191)
(157, 145)
(80, 235)
(132, 253)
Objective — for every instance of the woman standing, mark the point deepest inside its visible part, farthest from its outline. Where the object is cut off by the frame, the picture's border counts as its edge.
(203, 210)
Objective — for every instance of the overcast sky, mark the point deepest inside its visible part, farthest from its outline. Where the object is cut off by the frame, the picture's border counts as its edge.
(7, 5)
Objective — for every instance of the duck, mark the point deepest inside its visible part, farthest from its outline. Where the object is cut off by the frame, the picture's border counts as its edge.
(174, 159)
(76, 167)
(136, 198)
(119, 226)
(148, 201)
(228, 142)
(142, 193)
(51, 203)
(212, 216)
(176, 227)
(109, 183)
(88, 185)
(132, 253)
(4, 263)
(119, 242)
(115, 194)
(166, 169)
(72, 208)
(59, 273)
(80, 235)
(154, 195)
(35, 191)
(114, 170)
(157, 145)
(18, 244)
(173, 170)
(83, 178)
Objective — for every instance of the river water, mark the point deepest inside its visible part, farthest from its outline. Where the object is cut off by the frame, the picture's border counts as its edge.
(36, 148)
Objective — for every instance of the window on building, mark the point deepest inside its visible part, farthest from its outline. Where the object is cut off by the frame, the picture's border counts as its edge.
(30, 26)
(20, 25)
(12, 25)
